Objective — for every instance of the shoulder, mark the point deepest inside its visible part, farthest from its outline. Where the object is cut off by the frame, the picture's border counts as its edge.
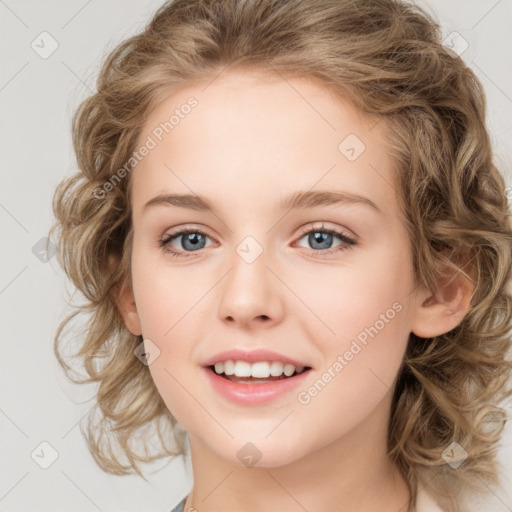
(180, 506)
(426, 503)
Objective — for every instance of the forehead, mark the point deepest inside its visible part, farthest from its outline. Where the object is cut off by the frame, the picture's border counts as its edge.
(259, 136)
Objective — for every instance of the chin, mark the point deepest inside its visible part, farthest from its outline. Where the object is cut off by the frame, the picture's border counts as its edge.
(262, 453)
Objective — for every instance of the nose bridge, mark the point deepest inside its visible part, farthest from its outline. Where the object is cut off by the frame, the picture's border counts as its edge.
(249, 291)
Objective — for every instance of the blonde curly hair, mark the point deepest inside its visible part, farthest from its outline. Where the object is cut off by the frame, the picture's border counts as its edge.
(386, 57)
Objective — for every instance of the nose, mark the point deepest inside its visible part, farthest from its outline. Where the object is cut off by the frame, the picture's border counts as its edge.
(251, 293)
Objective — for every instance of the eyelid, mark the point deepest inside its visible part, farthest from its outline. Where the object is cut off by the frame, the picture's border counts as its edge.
(303, 230)
(348, 240)
(181, 230)
(339, 231)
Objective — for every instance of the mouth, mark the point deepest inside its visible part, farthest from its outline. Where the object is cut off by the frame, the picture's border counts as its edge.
(256, 391)
(258, 380)
(256, 377)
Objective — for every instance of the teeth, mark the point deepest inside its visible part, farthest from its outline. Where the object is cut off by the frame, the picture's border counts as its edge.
(261, 370)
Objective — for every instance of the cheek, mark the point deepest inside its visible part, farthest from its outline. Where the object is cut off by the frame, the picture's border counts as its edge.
(168, 302)
(349, 297)
(360, 361)
(164, 294)
(362, 313)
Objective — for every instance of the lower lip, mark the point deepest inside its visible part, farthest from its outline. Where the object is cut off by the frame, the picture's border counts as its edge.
(256, 393)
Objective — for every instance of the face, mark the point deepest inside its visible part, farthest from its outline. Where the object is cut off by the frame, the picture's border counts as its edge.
(328, 284)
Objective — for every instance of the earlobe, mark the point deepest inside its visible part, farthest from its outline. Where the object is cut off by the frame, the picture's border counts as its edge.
(128, 309)
(439, 313)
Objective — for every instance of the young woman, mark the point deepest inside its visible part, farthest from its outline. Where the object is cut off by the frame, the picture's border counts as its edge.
(295, 245)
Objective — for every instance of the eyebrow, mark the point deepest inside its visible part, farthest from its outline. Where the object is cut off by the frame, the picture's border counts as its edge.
(298, 200)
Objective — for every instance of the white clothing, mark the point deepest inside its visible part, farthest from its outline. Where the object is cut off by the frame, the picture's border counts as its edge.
(426, 503)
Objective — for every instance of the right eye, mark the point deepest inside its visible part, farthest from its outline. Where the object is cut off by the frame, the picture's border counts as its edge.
(192, 239)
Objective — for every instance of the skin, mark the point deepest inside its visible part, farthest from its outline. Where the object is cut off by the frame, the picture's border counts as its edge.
(252, 140)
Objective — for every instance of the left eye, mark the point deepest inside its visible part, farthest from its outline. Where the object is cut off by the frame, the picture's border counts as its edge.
(194, 240)
(322, 238)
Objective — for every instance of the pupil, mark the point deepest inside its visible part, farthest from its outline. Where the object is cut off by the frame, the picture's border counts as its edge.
(324, 239)
(192, 241)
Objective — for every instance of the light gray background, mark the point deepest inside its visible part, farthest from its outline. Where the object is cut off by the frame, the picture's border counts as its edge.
(37, 99)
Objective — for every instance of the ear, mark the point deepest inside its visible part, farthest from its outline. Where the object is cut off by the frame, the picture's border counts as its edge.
(127, 307)
(439, 313)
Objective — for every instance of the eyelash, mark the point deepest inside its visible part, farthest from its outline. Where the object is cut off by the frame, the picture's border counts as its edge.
(348, 242)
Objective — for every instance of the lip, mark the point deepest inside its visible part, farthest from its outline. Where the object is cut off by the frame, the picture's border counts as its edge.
(253, 394)
(252, 356)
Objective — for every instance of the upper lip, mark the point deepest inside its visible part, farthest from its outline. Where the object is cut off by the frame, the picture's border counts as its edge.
(252, 356)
